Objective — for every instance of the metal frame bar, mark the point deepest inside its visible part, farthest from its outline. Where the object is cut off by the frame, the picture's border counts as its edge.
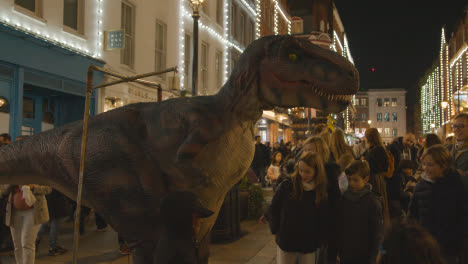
(84, 139)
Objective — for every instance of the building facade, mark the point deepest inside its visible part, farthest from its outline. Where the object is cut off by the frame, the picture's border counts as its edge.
(445, 90)
(361, 119)
(47, 47)
(387, 112)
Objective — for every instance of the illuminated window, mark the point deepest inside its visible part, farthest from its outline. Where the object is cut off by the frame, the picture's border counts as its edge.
(380, 130)
(127, 55)
(386, 102)
(379, 102)
(387, 132)
(394, 102)
(394, 132)
(363, 102)
(356, 130)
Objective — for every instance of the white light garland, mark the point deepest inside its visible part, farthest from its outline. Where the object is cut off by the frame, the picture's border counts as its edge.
(279, 9)
(181, 67)
(39, 29)
(258, 19)
(335, 37)
(459, 55)
(252, 11)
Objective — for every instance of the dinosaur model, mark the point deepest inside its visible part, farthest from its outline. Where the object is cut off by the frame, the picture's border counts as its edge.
(138, 153)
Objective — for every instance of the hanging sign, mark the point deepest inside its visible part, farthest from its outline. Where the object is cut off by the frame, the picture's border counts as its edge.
(114, 39)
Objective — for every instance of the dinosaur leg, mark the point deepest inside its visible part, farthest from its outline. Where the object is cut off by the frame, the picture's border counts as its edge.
(143, 252)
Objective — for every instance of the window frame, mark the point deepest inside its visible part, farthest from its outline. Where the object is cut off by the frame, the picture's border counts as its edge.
(38, 9)
(219, 68)
(79, 17)
(219, 12)
(363, 102)
(386, 102)
(242, 20)
(394, 102)
(379, 102)
(394, 117)
(381, 117)
(163, 51)
(234, 11)
(130, 36)
(187, 60)
(204, 68)
(387, 117)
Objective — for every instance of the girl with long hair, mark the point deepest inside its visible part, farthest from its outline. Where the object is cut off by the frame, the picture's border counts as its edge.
(338, 145)
(298, 212)
(376, 156)
(274, 170)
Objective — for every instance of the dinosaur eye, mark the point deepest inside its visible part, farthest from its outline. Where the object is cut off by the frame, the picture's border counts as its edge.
(292, 57)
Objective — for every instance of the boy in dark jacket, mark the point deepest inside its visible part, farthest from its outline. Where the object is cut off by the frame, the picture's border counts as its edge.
(360, 218)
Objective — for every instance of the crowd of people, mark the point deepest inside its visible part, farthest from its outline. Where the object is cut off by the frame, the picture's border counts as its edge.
(404, 202)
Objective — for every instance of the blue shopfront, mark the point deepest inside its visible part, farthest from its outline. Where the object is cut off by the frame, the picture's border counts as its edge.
(41, 85)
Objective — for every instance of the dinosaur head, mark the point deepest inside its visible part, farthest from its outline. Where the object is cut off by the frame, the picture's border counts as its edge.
(294, 72)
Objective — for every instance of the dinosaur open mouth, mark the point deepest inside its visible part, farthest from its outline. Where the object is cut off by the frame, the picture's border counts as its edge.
(340, 98)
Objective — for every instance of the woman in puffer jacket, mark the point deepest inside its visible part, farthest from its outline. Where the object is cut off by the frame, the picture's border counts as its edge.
(25, 220)
(439, 202)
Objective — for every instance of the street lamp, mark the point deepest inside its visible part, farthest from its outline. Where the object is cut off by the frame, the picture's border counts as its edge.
(432, 126)
(369, 122)
(195, 4)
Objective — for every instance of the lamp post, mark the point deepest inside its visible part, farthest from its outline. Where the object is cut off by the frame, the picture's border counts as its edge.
(369, 122)
(433, 127)
(195, 4)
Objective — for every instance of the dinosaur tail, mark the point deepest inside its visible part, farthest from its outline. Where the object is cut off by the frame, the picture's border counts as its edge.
(30, 160)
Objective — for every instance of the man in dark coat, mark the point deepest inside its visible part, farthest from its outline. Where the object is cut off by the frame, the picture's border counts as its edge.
(260, 160)
(402, 148)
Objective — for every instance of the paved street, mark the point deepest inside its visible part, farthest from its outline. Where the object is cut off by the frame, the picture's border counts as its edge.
(255, 246)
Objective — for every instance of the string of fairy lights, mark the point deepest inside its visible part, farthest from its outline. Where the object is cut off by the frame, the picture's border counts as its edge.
(89, 46)
(440, 87)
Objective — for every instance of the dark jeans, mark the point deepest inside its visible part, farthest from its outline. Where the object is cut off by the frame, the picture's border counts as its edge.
(260, 173)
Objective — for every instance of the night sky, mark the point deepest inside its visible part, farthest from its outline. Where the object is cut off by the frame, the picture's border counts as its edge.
(400, 39)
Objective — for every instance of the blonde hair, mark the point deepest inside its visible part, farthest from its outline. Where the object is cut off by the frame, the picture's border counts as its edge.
(314, 161)
(373, 137)
(345, 160)
(440, 155)
(321, 146)
(338, 145)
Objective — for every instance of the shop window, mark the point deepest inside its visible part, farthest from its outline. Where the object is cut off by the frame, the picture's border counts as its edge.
(73, 15)
(4, 105)
(387, 132)
(29, 108)
(127, 54)
(48, 109)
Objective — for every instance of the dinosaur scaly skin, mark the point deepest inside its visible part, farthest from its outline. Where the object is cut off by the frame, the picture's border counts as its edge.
(139, 152)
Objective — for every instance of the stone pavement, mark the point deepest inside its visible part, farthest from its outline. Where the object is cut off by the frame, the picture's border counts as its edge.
(256, 246)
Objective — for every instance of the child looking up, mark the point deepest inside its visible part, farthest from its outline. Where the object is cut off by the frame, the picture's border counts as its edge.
(360, 219)
(274, 170)
(298, 212)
